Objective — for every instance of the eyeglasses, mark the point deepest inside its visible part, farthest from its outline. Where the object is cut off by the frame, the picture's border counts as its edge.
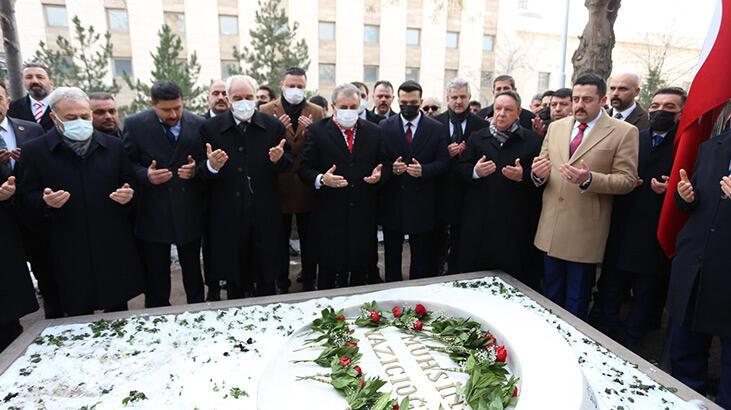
(431, 108)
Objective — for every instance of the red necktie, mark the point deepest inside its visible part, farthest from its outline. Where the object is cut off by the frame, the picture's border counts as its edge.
(409, 135)
(349, 136)
(576, 141)
(38, 111)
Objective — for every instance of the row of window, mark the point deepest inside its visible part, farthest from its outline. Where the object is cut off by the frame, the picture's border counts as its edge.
(370, 75)
(371, 35)
(118, 21)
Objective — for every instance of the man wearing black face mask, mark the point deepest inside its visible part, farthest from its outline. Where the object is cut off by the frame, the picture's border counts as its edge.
(633, 254)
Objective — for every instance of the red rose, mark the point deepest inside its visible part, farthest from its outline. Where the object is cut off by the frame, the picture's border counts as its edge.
(345, 361)
(352, 344)
(515, 391)
(341, 318)
(418, 325)
(396, 407)
(502, 354)
(358, 369)
(420, 310)
(396, 311)
(361, 384)
(375, 317)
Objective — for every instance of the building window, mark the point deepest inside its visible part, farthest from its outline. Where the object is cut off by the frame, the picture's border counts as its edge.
(228, 25)
(370, 34)
(544, 80)
(176, 21)
(452, 39)
(449, 75)
(523, 5)
(228, 68)
(327, 30)
(370, 74)
(486, 79)
(413, 36)
(327, 73)
(122, 66)
(488, 43)
(412, 73)
(117, 20)
(56, 16)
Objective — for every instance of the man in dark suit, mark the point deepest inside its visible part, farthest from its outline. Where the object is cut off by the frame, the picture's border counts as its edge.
(79, 182)
(459, 123)
(633, 254)
(506, 83)
(34, 106)
(246, 151)
(623, 89)
(342, 160)
(217, 103)
(501, 204)
(382, 99)
(700, 285)
(14, 134)
(105, 115)
(363, 111)
(415, 154)
(164, 146)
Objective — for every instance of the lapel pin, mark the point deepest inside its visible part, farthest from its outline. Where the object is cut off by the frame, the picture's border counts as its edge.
(21, 128)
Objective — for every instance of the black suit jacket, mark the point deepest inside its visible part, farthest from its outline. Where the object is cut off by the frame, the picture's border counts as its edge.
(450, 187)
(373, 117)
(25, 131)
(348, 244)
(526, 116)
(702, 258)
(171, 212)
(408, 203)
(632, 245)
(21, 110)
(638, 117)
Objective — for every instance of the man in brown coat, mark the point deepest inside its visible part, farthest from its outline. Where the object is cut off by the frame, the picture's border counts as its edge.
(585, 160)
(293, 110)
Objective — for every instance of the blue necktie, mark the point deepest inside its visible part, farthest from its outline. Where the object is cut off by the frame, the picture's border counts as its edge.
(657, 140)
(169, 133)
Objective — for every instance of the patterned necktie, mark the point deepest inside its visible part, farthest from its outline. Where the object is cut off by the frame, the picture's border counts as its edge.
(349, 136)
(38, 111)
(618, 116)
(3, 144)
(577, 141)
(409, 134)
(657, 140)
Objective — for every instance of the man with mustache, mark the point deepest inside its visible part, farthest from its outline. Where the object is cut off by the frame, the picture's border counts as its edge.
(623, 89)
(34, 105)
(104, 113)
(217, 104)
(382, 98)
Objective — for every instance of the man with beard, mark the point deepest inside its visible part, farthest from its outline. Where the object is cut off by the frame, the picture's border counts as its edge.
(104, 113)
(296, 114)
(623, 89)
(382, 99)
(633, 254)
(501, 204)
(363, 111)
(34, 106)
(342, 161)
(415, 156)
(459, 123)
(217, 104)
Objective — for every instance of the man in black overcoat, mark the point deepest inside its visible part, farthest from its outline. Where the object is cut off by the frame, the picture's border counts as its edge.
(246, 151)
(342, 161)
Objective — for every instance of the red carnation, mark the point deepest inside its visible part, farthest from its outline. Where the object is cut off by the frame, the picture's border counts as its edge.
(502, 354)
(341, 318)
(345, 361)
(396, 311)
(515, 391)
(420, 310)
(375, 317)
(358, 369)
(361, 384)
(418, 325)
(352, 344)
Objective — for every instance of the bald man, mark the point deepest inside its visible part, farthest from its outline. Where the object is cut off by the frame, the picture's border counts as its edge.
(623, 90)
(217, 103)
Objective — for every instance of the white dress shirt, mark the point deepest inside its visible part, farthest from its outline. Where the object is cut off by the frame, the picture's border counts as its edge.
(414, 125)
(626, 113)
(463, 124)
(7, 133)
(33, 101)
(589, 126)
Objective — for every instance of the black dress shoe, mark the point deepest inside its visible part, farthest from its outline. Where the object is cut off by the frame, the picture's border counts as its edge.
(214, 295)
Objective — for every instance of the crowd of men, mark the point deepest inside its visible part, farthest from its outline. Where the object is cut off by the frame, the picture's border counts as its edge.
(546, 194)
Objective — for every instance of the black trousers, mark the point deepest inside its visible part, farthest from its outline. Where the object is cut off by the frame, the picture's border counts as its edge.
(8, 332)
(329, 278)
(309, 262)
(422, 265)
(37, 248)
(256, 274)
(446, 247)
(156, 261)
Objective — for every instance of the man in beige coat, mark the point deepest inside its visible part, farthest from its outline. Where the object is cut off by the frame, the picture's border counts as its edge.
(584, 161)
(297, 115)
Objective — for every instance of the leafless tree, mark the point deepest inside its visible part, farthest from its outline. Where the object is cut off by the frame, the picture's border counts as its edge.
(594, 54)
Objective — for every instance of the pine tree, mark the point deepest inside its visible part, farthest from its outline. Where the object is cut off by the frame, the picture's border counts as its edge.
(168, 65)
(273, 46)
(79, 66)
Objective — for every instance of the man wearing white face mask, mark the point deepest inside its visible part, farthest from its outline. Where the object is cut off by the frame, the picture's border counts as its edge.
(247, 151)
(363, 111)
(342, 161)
(79, 180)
(296, 114)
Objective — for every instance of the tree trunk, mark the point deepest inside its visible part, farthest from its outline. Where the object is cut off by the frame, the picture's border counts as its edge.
(594, 54)
(13, 59)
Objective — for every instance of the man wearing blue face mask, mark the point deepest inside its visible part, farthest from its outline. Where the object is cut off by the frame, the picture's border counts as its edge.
(78, 180)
